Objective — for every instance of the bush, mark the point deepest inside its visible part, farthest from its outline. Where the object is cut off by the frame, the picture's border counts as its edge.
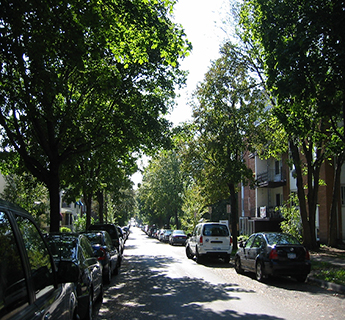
(292, 223)
(65, 230)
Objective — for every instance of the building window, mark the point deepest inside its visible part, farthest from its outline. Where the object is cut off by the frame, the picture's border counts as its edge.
(278, 202)
(277, 167)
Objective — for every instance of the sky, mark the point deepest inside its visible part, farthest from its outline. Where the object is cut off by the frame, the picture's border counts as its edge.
(202, 21)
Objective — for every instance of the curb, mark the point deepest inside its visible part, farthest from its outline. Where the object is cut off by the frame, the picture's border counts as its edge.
(327, 285)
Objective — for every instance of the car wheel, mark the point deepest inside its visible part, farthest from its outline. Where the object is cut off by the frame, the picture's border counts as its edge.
(301, 278)
(107, 277)
(238, 265)
(198, 256)
(89, 311)
(116, 270)
(100, 295)
(259, 273)
(188, 253)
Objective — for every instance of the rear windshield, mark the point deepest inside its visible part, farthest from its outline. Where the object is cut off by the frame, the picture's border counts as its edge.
(220, 230)
(280, 238)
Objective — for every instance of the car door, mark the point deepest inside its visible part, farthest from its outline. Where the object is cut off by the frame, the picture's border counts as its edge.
(27, 288)
(254, 251)
(245, 252)
(193, 239)
(93, 266)
(112, 251)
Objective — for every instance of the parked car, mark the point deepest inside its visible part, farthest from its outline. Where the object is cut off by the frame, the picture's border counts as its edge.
(105, 252)
(177, 237)
(166, 235)
(30, 285)
(114, 235)
(122, 238)
(210, 239)
(160, 234)
(125, 231)
(77, 248)
(273, 253)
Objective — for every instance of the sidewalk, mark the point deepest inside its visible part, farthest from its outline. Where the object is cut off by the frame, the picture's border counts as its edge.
(333, 256)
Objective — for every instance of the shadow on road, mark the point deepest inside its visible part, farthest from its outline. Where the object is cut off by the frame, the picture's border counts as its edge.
(143, 290)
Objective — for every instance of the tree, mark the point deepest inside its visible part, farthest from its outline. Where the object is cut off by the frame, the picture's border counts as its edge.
(300, 44)
(25, 191)
(229, 105)
(162, 189)
(73, 73)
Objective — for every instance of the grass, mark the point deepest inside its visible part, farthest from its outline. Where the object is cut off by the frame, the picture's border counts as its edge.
(328, 272)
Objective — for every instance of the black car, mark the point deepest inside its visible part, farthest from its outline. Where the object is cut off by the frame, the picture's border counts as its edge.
(77, 248)
(30, 285)
(273, 253)
(105, 252)
(178, 237)
(113, 232)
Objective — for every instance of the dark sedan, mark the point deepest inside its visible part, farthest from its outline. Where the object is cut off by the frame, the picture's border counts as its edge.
(77, 248)
(178, 237)
(273, 253)
(105, 252)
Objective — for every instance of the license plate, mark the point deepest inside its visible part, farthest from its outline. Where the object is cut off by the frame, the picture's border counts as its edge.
(291, 255)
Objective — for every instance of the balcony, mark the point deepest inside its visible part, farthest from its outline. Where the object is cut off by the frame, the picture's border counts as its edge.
(270, 179)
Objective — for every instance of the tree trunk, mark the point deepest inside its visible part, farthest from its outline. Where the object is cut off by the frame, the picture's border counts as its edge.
(308, 239)
(332, 232)
(100, 200)
(88, 201)
(234, 214)
(176, 220)
(54, 196)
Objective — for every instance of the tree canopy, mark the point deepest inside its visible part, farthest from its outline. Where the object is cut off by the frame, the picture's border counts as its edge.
(79, 75)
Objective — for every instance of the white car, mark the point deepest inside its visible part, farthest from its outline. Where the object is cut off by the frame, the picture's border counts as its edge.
(210, 239)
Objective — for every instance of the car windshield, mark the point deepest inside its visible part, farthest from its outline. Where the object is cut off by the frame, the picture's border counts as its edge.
(63, 248)
(220, 230)
(95, 238)
(280, 238)
(179, 232)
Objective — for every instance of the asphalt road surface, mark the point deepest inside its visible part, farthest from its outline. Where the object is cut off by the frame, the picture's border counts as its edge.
(157, 281)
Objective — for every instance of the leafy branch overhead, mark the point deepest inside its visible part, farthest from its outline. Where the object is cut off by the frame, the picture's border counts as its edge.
(76, 76)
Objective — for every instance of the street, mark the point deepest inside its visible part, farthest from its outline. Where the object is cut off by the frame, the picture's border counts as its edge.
(157, 281)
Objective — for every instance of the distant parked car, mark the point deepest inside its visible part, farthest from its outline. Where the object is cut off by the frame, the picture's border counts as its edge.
(160, 234)
(273, 253)
(177, 237)
(105, 252)
(30, 285)
(113, 232)
(166, 235)
(125, 231)
(77, 248)
(210, 239)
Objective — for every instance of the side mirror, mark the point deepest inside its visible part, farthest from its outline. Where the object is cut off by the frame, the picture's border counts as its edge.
(241, 244)
(68, 271)
(189, 235)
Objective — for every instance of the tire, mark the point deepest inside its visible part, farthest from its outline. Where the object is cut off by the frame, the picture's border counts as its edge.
(89, 312)
(238, 265)
(188, 253)
(116, 270)
(198, 256)
(107, 277)
(100, 295)
(259, 272)
(301, 278)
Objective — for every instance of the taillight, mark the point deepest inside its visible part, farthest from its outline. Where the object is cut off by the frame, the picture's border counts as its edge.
(103, 254)
(230, 240)
(200, 240)
(273, 254)
(307, 255)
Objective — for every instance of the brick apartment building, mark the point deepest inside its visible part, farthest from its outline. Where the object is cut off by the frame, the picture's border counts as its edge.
(257, 207)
